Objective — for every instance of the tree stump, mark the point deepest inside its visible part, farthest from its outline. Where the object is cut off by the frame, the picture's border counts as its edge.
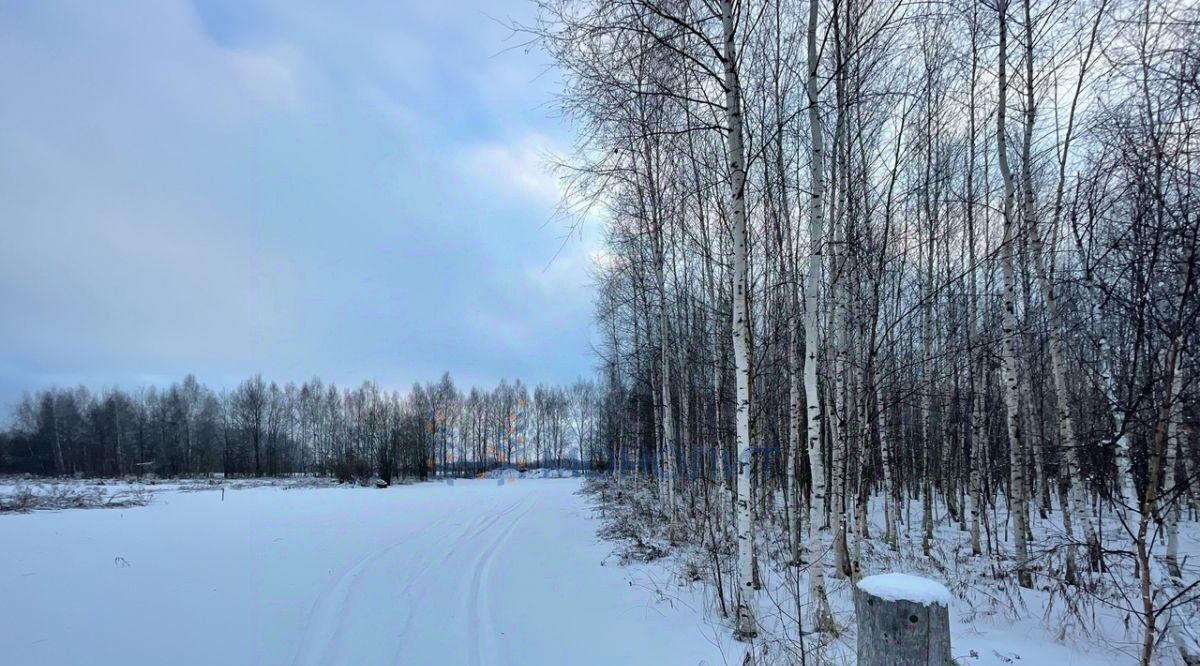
(902, 621)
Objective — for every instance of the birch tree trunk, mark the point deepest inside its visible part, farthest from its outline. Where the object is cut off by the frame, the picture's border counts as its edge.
(746, 624)
(816, 208)
(713, 320)
(1147, 576)
(1066, 426)
(789, 270)
(668, 421)
(1018, 495)
(927, 440)
(1170, 512)
(974, 361)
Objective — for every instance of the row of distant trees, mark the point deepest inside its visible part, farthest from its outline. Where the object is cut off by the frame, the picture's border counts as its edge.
(263, 428)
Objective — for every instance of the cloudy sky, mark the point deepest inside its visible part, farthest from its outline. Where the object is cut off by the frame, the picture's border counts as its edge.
(292, 187)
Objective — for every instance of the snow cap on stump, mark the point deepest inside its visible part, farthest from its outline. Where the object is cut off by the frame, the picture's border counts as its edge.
(903, 620)
(904, 587)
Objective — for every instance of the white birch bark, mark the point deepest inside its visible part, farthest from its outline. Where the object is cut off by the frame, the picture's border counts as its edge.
(715, 333)
(1149, 577)
(974, 362)
(668, 421)
(1012, 395)
(1067, 433)
(1170, 512)
(1066, 426)
(746, 623)
(889, 493)
(816, 510)
(928, 445)
(795, 440)
(836, 397)
(1126, 491)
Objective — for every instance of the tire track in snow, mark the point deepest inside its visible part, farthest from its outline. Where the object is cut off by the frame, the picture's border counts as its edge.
(324, 625)
(324, 622)
(416, 585)
(480, 629)
(326, 618)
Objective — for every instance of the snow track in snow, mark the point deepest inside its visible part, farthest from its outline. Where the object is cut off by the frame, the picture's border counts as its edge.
(473, 574)
(477, 605)
(324, 641)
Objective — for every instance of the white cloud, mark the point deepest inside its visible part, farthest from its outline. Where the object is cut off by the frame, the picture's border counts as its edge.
(269, 75)
(177, 196)
(516, 168)
(115, 246)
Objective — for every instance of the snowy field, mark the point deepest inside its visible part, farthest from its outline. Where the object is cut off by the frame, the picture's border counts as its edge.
(498, 571)
(478, 572)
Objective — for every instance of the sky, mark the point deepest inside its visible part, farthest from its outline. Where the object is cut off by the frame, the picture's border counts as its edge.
(297, 188)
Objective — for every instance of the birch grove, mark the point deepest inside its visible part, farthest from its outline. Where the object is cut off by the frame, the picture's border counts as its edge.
(988, 329)
(268, 429)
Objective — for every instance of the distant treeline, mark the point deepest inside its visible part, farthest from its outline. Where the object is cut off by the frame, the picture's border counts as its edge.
(268, 429)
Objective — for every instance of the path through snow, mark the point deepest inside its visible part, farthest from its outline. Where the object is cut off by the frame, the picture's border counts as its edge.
(475, 573)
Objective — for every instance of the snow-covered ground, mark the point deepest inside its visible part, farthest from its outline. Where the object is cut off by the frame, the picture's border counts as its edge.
(506, 570)
(475, 572)
(993, 622)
